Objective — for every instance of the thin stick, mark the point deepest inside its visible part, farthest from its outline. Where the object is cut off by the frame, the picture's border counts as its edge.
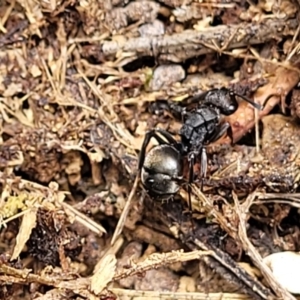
(156, 260)
(181, 46)
(125, 211)
(143, 295)
(256, 119)
(6, 16)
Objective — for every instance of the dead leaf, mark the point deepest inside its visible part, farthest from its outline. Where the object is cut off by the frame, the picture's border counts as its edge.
(28, 223)
(104, 274)
(275, 91)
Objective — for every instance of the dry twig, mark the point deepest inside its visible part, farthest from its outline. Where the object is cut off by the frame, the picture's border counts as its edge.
(179, 47)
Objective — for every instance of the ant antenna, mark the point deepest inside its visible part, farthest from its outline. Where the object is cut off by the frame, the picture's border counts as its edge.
(255, 105)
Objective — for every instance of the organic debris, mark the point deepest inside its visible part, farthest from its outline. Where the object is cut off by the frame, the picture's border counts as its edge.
(81, 82)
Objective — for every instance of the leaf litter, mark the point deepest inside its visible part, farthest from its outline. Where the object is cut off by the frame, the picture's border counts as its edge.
(80, 84)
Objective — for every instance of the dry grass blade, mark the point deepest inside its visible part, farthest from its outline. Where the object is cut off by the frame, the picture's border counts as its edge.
(25, 276)
(253, 287)
(54, 294)
(111, 250)
(38, 198)
(225, 261)
(241, 211)
(6, 15)
(212, 211)
(84, 220)
(290, 199)
(27, 224)
(125, 211)
(160, 259)
(145, 295)
(15, 216)
(104, 274)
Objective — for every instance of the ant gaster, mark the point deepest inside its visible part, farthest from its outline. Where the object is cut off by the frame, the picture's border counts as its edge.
(162, 167)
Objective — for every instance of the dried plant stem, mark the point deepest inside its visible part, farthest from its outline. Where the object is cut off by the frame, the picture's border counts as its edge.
(160, 259)
(6, 15)
(189, 43)
(178, 296)
(252, 252)
(125, 211)
(81, 285)
(253, 287)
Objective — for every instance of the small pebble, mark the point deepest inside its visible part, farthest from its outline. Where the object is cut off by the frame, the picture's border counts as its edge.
(166, 75)
(152, 29)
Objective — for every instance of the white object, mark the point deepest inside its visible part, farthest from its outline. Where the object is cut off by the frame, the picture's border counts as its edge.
(286, 269)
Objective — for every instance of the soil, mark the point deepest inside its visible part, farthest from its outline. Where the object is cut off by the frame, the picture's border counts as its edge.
(81, 83)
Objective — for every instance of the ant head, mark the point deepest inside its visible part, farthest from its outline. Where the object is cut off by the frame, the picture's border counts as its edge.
(223, 99)
(228, 102)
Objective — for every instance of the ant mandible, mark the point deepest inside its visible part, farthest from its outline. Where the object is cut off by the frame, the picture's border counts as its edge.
(161, 168)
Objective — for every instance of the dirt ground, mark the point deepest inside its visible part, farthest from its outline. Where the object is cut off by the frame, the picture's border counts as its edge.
(81, 82)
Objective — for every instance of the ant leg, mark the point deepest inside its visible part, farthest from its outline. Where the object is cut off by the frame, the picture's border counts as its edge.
(175, 108)
(191, 159)
(149, 135)
(168, 136)
(154, 134)
(269, 97)
(230, 135)
(194, 99)
(203, 163)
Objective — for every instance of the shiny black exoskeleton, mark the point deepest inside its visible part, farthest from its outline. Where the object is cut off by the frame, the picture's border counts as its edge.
(162, 167)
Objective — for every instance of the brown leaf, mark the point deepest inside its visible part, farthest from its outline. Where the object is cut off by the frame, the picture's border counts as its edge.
(275, 91)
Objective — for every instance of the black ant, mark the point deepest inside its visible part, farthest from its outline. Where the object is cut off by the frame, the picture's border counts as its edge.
(162, 167)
